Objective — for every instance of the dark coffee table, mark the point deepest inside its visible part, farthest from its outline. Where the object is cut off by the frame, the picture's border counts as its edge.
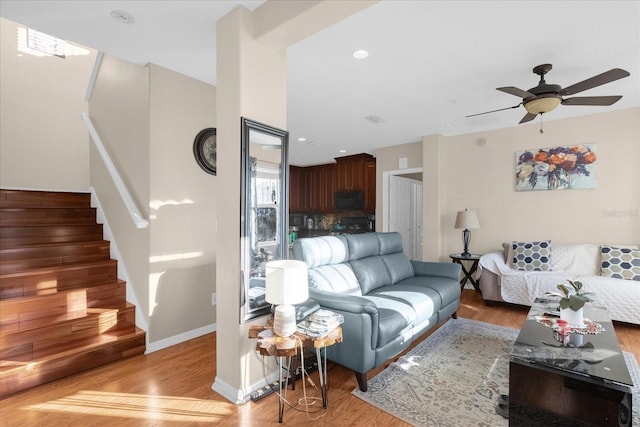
(579, 380)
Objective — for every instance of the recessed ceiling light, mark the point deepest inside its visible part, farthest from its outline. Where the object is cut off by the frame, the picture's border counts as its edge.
(342, 151)
(302, 139)
(360, 54)
(123, 17)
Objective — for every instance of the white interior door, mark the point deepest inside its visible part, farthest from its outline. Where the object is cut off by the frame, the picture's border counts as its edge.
(405, 213)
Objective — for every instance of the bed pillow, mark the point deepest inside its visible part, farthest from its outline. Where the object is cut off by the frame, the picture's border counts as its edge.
(620, 263)
(531, 256)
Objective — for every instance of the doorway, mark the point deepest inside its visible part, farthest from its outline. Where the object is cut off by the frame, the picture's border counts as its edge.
(402, 208)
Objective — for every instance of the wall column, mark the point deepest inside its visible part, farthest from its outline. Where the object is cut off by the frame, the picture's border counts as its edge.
(251, 83)
(431, 198)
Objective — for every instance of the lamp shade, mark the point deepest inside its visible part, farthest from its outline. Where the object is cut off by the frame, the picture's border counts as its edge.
(467, 220)
(287, 282)
(542, 104)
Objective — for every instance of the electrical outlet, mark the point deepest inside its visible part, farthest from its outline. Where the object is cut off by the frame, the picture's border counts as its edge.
(213, 299)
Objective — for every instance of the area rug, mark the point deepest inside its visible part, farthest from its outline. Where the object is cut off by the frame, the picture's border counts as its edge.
(454, 376)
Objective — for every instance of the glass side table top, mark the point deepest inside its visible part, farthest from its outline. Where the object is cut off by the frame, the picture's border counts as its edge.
(597, 356)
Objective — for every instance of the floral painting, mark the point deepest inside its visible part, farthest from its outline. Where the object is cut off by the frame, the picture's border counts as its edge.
(556, 168)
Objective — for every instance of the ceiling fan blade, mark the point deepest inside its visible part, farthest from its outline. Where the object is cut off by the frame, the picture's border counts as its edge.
(527, 118)
(592, 100)
(600, 79)
(512, 90)
(494, 111)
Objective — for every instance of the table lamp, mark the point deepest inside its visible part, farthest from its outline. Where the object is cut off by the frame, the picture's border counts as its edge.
(466, 220)
(286, 284)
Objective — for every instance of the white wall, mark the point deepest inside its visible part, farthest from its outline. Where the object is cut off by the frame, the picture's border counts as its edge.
(148, 118)
(43, 142)
(481, 176)
(251, 70)
(182, 206)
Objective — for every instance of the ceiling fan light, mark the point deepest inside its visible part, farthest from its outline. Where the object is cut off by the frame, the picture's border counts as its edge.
(542, 104)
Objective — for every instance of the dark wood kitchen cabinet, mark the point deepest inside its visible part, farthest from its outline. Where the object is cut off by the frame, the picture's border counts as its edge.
(351, 171)
(297, 189)
(320, 188)
(370, 185)
(329, 186)
(312, 188)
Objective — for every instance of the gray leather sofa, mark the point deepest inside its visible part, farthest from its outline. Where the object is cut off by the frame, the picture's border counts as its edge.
(387, 300)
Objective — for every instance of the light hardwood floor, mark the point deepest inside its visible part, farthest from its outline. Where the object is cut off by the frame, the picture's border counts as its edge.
(172, 387)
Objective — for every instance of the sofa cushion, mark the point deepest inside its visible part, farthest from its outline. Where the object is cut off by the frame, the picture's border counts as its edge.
(363, 245)
(337, 278)
(394, 257)
(399, 266)
(620, 263)
(531, 256)
(421, 300)
(439, 288)
(581, 259)
(390, 243)
(371, 272)
(324, 250)
(394, 318)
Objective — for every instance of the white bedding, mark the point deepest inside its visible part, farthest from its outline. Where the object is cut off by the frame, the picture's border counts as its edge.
(572, 262)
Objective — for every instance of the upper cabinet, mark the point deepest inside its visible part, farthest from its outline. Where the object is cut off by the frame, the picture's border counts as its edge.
(313, 188)
(351, 171)
(369, 185)
(322, 186)
(297, 193)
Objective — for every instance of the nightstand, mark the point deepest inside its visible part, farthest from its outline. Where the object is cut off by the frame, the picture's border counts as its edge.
(472, 260)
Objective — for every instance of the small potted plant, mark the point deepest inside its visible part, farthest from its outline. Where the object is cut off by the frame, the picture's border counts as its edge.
(572, 301)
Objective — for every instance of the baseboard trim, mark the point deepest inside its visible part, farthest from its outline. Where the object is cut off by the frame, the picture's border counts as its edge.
(232, 394)
(241, 396)
(180, 338)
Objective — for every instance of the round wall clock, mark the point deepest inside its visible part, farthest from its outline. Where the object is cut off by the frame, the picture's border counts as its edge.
(204, 150)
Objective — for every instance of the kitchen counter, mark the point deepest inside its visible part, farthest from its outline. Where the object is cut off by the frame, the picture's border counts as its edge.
(304, 232)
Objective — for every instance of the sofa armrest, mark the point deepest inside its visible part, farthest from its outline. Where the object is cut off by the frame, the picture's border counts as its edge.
(351, 307)
(494, 262)
(440, 269)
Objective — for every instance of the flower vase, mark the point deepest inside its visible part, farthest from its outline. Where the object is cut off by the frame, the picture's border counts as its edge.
(558, 180)
(573, 317)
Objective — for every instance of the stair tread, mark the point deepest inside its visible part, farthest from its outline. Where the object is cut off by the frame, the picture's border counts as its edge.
(56, 320)
(81, 346)
(36, 226)
(84, 286)
(5, 249)
(43, 199)
(30, 264)
(54, 269)
(73, 287)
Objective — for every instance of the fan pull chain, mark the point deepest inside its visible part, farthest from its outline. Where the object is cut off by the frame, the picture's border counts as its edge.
(541, 123)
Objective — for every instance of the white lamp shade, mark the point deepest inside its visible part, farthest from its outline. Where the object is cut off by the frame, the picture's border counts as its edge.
(467, 220)
(287, 282)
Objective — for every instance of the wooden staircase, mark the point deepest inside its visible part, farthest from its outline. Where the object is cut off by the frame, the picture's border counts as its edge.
(63, 309)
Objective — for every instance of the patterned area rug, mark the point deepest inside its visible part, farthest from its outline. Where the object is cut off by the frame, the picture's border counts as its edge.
(454, 377)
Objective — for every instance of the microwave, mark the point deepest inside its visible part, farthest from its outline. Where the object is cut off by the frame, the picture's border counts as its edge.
(349, 200)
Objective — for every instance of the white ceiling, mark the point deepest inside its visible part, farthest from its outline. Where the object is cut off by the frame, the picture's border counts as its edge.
(431, 63)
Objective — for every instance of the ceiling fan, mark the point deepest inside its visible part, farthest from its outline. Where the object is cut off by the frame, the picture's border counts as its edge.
(546, 97)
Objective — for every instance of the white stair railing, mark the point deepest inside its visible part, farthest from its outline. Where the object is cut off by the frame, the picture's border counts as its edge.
(132, 207)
